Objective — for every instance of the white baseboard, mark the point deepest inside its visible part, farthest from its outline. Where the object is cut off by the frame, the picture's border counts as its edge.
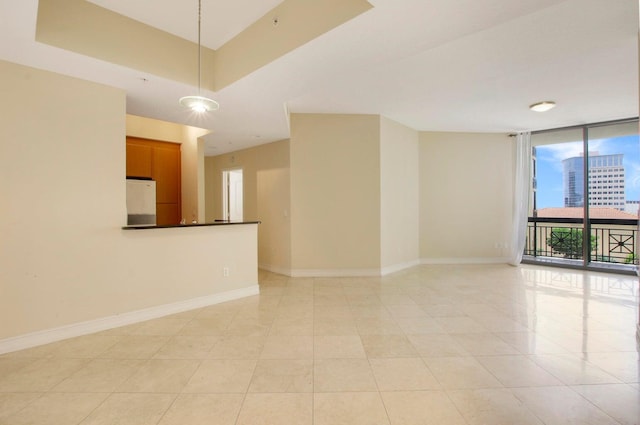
(379, 272)
(435, 261)
(334, 272)
(398, 267)
(83, 328)
(275, 269)
(339, 272)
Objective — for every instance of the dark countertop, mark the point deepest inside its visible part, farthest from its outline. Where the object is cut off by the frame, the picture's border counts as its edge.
(168, 226)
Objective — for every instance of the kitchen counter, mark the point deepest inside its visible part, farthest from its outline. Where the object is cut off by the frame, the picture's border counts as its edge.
(213, 223)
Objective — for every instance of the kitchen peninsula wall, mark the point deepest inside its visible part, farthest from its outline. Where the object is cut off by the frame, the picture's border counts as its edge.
(66, 266)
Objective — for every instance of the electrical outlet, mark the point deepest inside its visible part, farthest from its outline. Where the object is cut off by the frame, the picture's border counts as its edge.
(225, 271)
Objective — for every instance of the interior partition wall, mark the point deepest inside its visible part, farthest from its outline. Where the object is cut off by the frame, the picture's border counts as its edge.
(585, 194)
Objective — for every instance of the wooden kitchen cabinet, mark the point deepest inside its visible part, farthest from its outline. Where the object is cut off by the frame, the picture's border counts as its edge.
(138, 160)
(168, 214)
(161, 161)
(167, 175)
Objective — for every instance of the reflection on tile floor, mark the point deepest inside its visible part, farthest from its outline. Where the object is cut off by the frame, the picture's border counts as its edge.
(484, 344)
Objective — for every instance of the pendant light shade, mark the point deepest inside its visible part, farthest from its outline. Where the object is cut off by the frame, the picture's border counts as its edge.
(198, 103)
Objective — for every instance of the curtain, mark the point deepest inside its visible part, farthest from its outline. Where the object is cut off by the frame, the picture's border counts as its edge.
(521, 197)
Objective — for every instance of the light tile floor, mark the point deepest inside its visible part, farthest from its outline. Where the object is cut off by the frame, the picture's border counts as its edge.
(485, 344)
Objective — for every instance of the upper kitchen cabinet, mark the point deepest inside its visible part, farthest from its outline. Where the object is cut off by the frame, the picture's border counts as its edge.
(139, 158)
(160, 161)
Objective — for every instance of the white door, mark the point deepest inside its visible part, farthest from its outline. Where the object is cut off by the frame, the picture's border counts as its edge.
(232, 195)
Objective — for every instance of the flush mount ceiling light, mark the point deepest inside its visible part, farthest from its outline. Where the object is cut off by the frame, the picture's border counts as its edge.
(199, 103)
(543, 106)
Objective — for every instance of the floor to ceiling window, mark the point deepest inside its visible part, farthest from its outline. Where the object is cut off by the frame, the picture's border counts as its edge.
(585, 196)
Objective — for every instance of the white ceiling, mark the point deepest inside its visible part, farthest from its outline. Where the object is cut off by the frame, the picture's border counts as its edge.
(434, 65)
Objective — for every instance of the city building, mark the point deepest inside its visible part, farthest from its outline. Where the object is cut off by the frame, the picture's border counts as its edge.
(606, 181)
(632, 207)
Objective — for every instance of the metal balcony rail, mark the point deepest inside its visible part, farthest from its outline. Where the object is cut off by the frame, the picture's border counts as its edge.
(612, 241)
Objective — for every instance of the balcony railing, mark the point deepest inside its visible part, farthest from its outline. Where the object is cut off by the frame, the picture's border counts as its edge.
(612, 241)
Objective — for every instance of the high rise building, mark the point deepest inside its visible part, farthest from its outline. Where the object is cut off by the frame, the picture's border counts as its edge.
(606, 181)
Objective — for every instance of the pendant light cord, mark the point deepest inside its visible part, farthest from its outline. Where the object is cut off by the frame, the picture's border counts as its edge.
(199, 103)
(199, 47)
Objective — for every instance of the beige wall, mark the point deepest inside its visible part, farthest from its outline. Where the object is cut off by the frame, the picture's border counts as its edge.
(246, 160)
(335, 193)
(266, 197)
(192, 158)
(466, 196)
(399, 207)
(299, 21)
(64, 258)
(83, 27)
(371, 196)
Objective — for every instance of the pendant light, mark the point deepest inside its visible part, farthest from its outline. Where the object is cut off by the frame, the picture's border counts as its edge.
(198, 103)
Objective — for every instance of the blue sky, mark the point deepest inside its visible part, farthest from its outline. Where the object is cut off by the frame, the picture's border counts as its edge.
(549, 166)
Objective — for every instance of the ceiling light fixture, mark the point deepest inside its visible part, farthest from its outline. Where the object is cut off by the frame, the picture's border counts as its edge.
(199, 104)
(543, 106)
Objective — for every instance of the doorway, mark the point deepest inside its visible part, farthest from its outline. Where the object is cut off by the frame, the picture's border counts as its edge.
(232, 195)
